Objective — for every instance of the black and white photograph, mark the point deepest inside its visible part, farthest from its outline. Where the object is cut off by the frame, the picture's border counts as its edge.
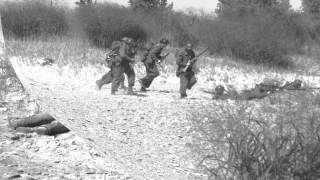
(159, 89)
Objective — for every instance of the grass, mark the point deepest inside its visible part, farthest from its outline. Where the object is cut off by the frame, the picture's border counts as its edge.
(216, 127)
(222, 70)
(274, 138)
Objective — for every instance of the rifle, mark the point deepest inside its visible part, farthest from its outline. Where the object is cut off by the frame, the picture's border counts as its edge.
(193, 59)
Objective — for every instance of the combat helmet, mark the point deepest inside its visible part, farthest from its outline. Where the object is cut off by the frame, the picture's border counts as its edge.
(164, 41)
(219, 90)
(188, 46)
(297, 83)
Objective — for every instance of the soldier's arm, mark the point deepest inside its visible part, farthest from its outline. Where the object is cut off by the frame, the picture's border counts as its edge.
(180, 61)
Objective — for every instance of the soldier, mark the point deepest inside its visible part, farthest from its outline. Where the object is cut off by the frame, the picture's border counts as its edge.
(124, 65)
(220, 93)
(296, 84)
(152, 57)
(187, 78)
(260, 91)
(112, 63)
(42, 124)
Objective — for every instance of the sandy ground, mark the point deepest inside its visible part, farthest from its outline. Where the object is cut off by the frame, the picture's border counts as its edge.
(146, 136)
(141, 137)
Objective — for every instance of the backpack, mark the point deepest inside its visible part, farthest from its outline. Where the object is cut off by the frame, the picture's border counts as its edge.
(114, 51)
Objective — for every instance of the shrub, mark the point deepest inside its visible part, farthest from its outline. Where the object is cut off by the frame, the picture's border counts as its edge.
(106, 23)
(32, 19)
(266, 36)
(279, 141)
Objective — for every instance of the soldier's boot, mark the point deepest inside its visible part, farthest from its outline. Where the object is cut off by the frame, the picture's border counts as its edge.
(99, 84)
(143, 88)
(182, 96)
(130, 91)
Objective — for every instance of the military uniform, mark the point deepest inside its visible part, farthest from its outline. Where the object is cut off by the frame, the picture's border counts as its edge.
(124, 65)
(112, 63)
(296, 84)
(43, 124)
(260, 91)
(256, 93)
(187, 78)
(151, 58)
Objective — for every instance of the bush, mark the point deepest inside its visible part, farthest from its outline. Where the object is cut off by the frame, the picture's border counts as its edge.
(279, 141)
(32, 19)
(266, 36)
(106, 23)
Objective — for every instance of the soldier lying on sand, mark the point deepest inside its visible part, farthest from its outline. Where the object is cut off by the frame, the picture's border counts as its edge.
(42, 124)
(258, 92)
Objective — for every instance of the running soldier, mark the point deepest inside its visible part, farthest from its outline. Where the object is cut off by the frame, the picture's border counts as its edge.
(186, 58)
(124, 60)
(111, 63)
(151, 58)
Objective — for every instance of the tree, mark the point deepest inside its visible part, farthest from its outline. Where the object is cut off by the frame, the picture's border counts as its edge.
(150, 5)
(241, 7)
(311, 7)
(86, 2)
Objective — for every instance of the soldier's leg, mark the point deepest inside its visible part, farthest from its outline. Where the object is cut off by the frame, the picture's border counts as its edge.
(152, 73)
(105, 79)
(129, 71)
(117, 73)
(192, 81)
(32, 121)
(144, 80)
(122, 86)
(183, 85)
(52, 128)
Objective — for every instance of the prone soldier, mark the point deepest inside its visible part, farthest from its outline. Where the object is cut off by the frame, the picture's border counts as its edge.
(150, 60)
(42, 124)
(260, 91)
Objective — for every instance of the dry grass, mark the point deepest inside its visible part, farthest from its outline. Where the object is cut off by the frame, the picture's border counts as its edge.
(217, 127)
(274, 138)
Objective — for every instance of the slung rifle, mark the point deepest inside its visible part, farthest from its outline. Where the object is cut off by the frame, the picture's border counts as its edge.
(191, 61)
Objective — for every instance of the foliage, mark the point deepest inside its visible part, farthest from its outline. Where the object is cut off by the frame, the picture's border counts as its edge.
(260, 36)
(32, 19)
(238, 8)
(150, 5)
(259, 32)
(105, 23)
(312, 7)
(279, 141)
(85, 2)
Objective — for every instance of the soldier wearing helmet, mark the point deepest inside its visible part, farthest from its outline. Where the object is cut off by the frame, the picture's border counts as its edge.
(126, 58)
(113, 63)
(154, 56)
(121, 63)
(220, 93)
(296, 84)
(187, 78)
